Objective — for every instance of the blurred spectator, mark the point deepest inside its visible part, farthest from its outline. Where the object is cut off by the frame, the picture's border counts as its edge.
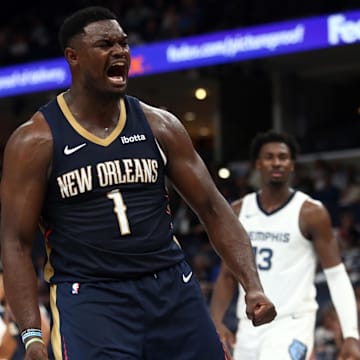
(327, 335)
(327, 192)
(348, 232)
(39, 35)
(19, 45)
(188, 230)
(350, 194)
(242, 186)
(190, 17)
(170, 23)
(8, 342)
(136, 16)
(302, 180)
(320, 174)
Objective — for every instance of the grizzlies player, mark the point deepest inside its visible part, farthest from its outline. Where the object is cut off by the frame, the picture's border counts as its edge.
(92, 165)
(289, 231)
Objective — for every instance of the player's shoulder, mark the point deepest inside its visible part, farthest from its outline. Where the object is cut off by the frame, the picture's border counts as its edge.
(312, 207)
(314, 217)
(238, 203)
(30, 135)
(159, 115)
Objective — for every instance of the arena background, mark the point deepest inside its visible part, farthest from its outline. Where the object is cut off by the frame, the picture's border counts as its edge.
(307, 93)
(313, 94)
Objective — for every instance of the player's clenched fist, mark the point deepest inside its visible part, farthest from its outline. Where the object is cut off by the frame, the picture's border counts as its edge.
(259, 309)
(36, 351)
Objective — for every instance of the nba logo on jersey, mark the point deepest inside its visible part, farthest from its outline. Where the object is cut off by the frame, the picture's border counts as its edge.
(75, 288)
(297, 350)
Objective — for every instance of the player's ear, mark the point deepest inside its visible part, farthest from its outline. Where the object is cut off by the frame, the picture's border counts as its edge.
(256, 164)
(70, 55)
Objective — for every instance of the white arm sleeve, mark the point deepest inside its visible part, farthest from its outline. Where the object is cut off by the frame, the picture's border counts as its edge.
(2, 330)
(343, 297)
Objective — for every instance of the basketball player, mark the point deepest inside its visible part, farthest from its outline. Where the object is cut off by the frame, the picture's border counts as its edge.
(289, 232)
(92, 165)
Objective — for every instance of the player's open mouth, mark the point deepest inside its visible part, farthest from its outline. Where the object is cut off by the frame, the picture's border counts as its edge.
(117, 73)
(276, 174)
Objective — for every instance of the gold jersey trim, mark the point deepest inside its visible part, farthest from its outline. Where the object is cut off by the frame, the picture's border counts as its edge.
(55, 330)
(87, 134)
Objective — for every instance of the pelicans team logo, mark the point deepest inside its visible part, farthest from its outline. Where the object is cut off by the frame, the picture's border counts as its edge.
(75, 288)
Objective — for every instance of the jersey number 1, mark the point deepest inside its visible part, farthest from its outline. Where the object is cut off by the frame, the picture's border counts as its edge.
(120, 211)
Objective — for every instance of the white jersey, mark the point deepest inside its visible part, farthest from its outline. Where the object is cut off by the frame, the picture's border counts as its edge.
(286, 260)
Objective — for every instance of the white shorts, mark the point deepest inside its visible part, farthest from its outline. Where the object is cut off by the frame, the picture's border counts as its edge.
(287, 338)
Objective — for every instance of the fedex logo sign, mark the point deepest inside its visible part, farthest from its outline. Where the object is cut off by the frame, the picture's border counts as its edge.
(342, 30)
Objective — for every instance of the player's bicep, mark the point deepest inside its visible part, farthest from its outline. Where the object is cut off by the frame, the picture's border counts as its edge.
(319, 228)
(25, 166)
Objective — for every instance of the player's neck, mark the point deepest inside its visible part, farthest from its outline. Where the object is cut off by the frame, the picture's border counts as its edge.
(272, 198)
(96, 111)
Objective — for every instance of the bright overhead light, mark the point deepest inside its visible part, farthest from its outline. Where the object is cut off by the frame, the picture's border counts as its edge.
(224, 173)
(200, 93)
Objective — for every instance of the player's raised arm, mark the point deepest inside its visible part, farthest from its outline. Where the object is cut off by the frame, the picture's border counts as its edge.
(193, 181)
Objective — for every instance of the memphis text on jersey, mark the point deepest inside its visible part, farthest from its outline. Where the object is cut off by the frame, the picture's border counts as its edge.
(108, 173)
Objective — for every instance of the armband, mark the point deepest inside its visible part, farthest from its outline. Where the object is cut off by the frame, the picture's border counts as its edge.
(30, 333)
(343, 297)
(33, 340)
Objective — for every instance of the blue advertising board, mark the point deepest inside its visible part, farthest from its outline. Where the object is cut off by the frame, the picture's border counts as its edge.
(197, 51)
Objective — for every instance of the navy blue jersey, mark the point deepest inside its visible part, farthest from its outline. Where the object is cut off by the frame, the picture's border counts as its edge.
(106, 208)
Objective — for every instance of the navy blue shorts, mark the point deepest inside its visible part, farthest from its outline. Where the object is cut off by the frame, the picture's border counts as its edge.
(162, 316)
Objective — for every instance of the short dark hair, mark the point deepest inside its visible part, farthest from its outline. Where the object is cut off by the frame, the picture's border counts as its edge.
(269, 136)
(75, 23)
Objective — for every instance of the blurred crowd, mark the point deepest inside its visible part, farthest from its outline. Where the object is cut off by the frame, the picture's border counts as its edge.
(31, 32)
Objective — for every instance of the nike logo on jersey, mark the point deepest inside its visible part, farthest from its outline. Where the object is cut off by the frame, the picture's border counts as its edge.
(69, 151)
(186, 278)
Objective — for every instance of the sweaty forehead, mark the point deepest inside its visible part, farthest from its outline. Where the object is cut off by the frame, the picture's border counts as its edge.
(103, 28)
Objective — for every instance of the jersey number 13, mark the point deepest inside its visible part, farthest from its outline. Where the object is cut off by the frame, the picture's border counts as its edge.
(263, 257)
